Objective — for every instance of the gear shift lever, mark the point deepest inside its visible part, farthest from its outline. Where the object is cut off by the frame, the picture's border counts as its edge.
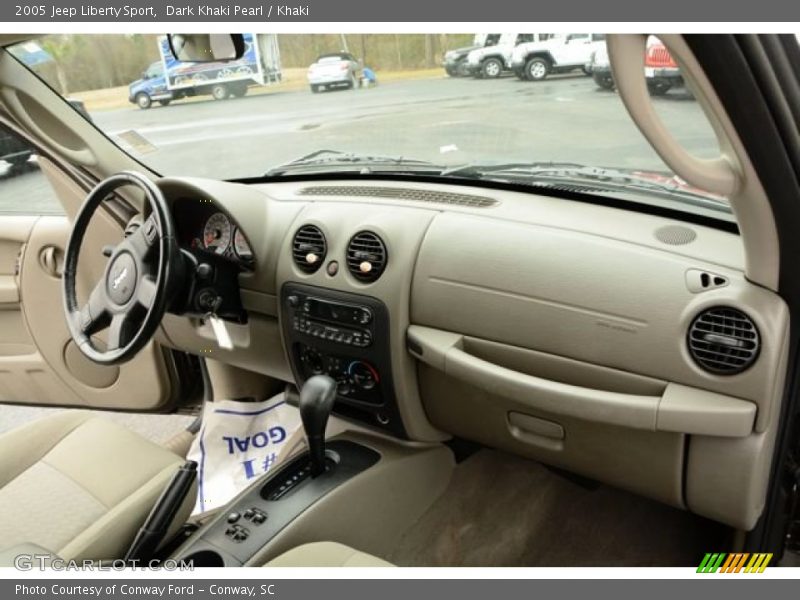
(316, 403)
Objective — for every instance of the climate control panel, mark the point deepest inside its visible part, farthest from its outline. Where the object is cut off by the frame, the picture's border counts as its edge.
(345, 336)
(355, 378)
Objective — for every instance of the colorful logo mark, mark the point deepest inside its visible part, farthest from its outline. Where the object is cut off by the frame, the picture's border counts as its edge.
(741, 562)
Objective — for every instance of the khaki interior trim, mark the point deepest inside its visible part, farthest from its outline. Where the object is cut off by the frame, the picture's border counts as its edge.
(678, 409)
(627, 55)
(9, 292)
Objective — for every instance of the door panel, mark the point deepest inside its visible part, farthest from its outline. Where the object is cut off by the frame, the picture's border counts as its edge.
(39, 364)
(23, 371)
(15, 340)
(141, 384)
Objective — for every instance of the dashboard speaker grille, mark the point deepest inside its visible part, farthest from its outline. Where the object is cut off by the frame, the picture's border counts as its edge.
(723, 340)
(366, 256)
(675, 235)
(398, 193)
(309, 248)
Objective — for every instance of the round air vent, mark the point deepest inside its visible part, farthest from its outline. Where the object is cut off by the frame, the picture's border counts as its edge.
(675, 235)
(366, 256)
(723, 340)
(309, 248)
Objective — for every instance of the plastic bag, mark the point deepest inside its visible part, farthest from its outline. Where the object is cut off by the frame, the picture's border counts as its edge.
(239, 442)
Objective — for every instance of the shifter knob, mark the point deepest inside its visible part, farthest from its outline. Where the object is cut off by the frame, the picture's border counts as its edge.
(316, 403)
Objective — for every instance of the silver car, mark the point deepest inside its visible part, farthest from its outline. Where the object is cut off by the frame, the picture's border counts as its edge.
(338, 69)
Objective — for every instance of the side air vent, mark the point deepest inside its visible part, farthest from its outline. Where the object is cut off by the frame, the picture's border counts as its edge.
(397, 193)
(309, 248)
(366, 256)
(723, 340)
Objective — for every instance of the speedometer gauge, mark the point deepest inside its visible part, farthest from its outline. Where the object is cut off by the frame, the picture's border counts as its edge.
(217, 233)
(240, 246)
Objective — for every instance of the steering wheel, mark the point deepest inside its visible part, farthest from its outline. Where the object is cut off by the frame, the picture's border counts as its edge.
(139, 279)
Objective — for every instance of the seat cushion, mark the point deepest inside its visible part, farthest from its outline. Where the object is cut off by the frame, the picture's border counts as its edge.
(326, 554)
(79, 485)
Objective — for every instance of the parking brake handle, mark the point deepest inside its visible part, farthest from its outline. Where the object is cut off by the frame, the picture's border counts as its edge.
(155, 528)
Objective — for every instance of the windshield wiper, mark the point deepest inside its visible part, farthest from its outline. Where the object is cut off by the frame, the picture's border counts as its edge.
(338, 161)
(550, 174)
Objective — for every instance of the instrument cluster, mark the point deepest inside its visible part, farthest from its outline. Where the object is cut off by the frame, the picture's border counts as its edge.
(204, 228)
(221, 236)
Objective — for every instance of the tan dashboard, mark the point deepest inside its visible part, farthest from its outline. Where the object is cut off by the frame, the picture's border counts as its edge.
(623, 346)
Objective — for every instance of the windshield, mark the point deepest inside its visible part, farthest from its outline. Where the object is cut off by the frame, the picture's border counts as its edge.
(371, 103)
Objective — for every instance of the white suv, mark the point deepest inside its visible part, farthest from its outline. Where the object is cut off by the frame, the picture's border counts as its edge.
(491, 61)
(534, 61)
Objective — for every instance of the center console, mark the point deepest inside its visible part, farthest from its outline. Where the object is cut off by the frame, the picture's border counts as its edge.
(344, 336)
(250, 521)
(359, 489)
(370, 483)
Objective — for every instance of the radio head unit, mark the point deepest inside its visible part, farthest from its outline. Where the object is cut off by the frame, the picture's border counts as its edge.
(335, 312)
(345, 336)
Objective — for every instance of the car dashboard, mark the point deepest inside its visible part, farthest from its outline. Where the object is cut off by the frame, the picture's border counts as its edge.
(624, 346)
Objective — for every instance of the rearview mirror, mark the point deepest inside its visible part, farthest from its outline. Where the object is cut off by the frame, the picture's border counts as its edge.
(206, 47)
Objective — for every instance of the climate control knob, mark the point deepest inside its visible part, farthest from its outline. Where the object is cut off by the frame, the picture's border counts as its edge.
(312, 360)
(363, 374)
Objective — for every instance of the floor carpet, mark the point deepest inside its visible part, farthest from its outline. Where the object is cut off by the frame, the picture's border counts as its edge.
(501, 510)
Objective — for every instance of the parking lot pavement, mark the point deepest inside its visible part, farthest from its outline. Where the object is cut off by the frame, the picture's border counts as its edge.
(27, 192)
(445, 120)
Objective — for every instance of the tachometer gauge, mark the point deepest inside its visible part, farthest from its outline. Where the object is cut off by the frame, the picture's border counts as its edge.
(240, 246)
(217, 233)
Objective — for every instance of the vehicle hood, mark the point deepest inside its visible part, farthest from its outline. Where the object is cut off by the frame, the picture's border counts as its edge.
(668, 179)
(502, 49)
(658, 178)
(332, 66)
(461, 51)
(589, 178)
(525, 47)
(600, 56)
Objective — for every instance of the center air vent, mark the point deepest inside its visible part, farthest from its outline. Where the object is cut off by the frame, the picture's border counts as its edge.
(309, 248)
(723, 340)
(366, 256)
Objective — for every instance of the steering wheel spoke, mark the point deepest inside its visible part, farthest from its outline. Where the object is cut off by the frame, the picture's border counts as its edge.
(143, 239)
(93, 316)
(121, 331)
(146, 291)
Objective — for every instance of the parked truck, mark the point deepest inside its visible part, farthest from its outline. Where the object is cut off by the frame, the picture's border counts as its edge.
(560, 53)
(490, 62)
(455, 61)
(169, 79)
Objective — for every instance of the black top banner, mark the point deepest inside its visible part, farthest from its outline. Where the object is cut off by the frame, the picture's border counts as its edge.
(459, 11)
